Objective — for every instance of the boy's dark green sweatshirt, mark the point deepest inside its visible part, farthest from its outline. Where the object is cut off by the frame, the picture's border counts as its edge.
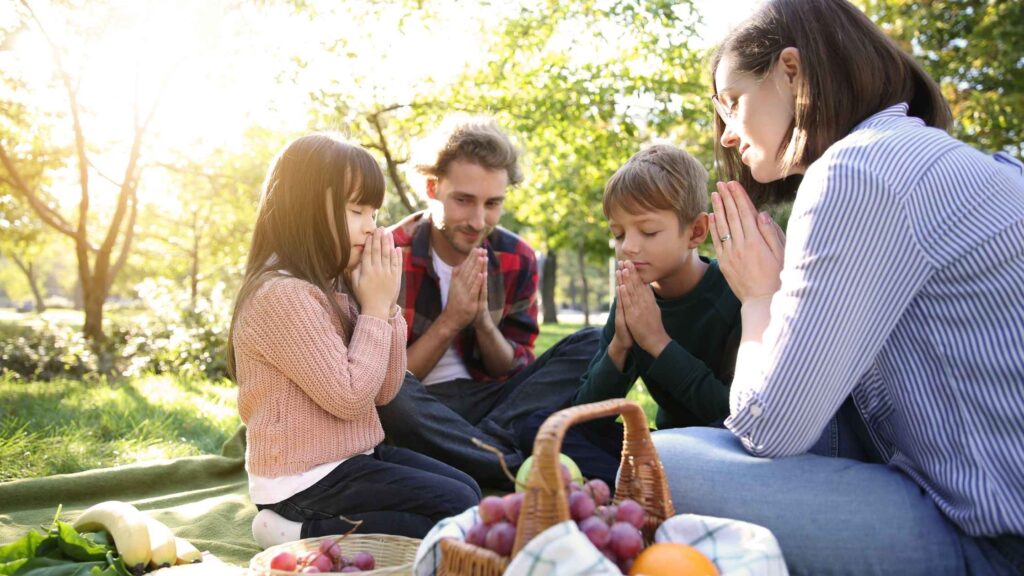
(690, 379)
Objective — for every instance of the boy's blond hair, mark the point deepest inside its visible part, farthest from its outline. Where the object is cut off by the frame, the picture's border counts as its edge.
(661, 177)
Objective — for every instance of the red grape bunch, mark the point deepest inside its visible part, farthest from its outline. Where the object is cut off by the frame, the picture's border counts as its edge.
(613, 529)
(496, 530)
(327, 558)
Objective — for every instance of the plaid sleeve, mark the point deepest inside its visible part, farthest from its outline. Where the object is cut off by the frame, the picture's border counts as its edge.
(519, 322)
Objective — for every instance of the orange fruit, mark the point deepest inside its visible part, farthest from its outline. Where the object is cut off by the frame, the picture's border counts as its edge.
(672, 559)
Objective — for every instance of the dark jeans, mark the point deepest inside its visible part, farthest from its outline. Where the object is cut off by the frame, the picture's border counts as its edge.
(442, 419)
(596, 445)
(393, 491)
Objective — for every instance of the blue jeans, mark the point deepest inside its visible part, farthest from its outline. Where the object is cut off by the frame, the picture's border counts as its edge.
(442, 419)
(392, 491)
(829, 515)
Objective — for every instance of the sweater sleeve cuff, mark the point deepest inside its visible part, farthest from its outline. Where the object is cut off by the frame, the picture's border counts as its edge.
(371, 331)
(607, 371)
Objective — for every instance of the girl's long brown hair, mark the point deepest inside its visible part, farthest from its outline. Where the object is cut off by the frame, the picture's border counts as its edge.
(292, 234)
(850, 70)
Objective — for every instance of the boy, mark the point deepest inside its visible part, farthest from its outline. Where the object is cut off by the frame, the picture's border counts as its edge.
(675, 322)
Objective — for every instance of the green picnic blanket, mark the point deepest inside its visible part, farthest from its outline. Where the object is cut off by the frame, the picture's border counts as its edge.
(204, 499)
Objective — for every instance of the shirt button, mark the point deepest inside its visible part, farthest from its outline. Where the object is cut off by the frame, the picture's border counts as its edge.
(755, 410)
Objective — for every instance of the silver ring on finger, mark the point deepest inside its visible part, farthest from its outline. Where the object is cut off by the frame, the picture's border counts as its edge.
(727, 236)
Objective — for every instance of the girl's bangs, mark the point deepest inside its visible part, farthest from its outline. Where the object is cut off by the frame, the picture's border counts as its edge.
(368, 181)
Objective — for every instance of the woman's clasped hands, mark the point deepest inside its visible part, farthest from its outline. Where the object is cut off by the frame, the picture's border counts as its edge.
(750, 246)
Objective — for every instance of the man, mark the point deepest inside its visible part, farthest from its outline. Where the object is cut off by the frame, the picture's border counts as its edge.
(469, 295)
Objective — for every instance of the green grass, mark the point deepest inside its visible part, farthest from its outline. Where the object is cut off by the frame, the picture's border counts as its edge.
(68, 426)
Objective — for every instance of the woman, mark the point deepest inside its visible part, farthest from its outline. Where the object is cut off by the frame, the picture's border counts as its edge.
(901, 285)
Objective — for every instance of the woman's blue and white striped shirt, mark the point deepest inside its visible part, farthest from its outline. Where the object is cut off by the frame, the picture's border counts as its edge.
(904, 285)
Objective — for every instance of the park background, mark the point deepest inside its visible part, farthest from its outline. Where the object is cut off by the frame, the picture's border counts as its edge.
(135, 135)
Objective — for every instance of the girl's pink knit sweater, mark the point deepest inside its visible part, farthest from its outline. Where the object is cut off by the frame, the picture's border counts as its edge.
(308, 382)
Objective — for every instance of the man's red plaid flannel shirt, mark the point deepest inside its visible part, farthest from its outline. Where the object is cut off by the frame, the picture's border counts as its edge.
(511, 292)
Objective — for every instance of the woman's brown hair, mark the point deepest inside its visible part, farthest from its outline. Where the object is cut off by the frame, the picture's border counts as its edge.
(849, 70)
(293, 235)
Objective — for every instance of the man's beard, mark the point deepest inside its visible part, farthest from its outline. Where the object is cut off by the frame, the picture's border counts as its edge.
(460, 244)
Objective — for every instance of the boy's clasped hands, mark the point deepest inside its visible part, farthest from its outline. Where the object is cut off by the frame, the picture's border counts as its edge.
(377, 280)
(637, 317)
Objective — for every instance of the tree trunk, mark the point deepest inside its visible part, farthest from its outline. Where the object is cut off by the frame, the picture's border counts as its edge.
(581, 255)
(390, 161)
(28, 268)
(95, 279)
(95, 294)
(548, 277)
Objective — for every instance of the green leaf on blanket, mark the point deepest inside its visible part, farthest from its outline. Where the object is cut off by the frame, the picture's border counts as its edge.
(76, 546)
(23, 548)
(55, 567)
(61, 552)
(17, 553)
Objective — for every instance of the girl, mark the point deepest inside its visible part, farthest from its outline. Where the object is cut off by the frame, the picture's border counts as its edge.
(316, 343)
(902, 283)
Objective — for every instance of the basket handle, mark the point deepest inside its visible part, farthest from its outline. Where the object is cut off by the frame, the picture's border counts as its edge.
(641, 475)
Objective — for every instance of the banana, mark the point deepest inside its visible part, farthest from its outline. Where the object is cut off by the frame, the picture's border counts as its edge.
(187, 553)
(126, 525)
(161, 544)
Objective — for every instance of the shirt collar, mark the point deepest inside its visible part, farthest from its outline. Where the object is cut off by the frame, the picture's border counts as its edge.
(887, 116)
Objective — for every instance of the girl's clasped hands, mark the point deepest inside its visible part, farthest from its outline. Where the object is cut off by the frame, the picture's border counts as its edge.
(377, 279)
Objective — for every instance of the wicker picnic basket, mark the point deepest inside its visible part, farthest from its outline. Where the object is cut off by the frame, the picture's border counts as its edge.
(545, 503)
(393, 554)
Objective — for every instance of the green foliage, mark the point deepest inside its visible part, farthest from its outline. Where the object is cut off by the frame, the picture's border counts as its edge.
(175, 336)
(170, 336)
(200, 236)
(584, 85)
(53, 351)
(975, 49)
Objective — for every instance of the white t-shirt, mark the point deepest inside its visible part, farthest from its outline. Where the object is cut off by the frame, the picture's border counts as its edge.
(450, 366)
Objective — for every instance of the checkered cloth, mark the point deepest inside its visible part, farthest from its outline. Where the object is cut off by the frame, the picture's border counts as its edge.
(737, 548)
